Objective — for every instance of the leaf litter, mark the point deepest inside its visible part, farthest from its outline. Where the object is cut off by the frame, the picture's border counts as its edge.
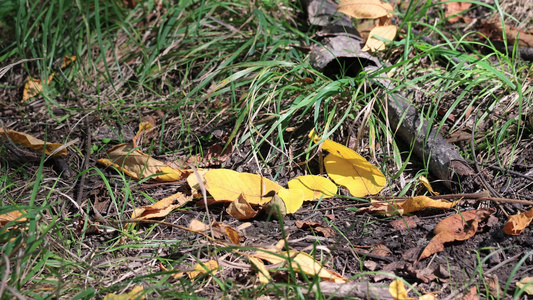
(398, 237)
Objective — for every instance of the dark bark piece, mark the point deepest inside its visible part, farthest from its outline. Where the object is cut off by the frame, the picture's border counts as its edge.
(343, 52)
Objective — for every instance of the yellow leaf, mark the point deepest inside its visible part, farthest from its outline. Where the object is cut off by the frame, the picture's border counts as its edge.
(263, 275)
(204, 268)
(34, 87)
(426, 183)
(314, 187)
(302, 262)
(137, 164)
(135, 294)
(526, 283)
(420, 202)
(241, 209)
(12, 216)
(373, 44)
(228, 185)
(365, 9)
(156, 210)
(293, 199)
(397, 290)
(67, 60)
(30, 142)
(307, 264)
(517, 223)
(347, 168)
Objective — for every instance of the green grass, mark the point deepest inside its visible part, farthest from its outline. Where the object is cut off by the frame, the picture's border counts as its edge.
(209, 64)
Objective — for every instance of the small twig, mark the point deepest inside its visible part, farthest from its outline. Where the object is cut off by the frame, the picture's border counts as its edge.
(478, 170)
(88, 146)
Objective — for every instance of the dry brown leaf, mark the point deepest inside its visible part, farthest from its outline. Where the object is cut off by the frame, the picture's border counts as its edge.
(222, 230)
(517, 223)
(454, 8)
(316, 226)
(31, 142)
(34, 87)
(494, 31)
(241, 209)
(381, 250)
(137, 164)
(472, 294)
(365, 9)
(458, 227)
(198, 226)
(215, 155)
(408, 222)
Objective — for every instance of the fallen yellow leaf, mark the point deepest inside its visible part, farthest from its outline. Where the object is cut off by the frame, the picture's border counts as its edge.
(347, 168)
(156, 210)
(365, 9)
(31, 142)
(420, 202)
(426, 183)
(373, 44)
(397, 290)
(137, 164)
(302, 262)
(517, 223)
(262, 272)
(135, 294)
(293, 199)
(204, 268)
(67, 60)
(228, 185)
(526, 284)
(314, 187)
(34, 87)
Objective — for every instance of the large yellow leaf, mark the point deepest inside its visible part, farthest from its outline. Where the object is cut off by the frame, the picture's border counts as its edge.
(373, 44)
(137, 164)
(347, 168)
(365, 9)
(200, 268)
(228, 185)
(314, 187)
(30, 142)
